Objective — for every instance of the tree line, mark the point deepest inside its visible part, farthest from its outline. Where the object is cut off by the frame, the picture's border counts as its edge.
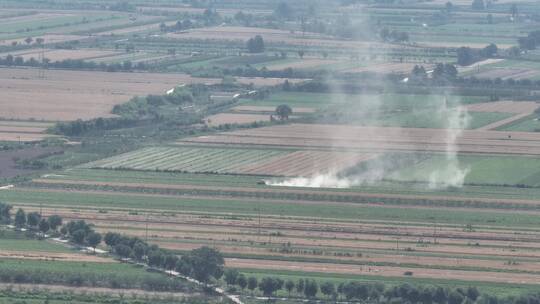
(75, 64)
(204, 264)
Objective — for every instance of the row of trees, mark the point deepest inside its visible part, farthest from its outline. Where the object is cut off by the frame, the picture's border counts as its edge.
(468, 56)
(204, 264)
(33, 220)
(530, 42)
(359, 291)
(77, 64)
(393, 36)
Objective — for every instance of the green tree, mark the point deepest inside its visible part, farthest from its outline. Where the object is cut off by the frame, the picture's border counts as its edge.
(252, 283)
(139, 250)
(301, 54)
(123, 251)
(44, 226)
(28, 40)
(269, 285)
(283, 111)
(55, 221)
(478, 5)
(289, 286)
(207, 263)
(300, 286)
(5, 212)
(241, 281)
(170, 261)
(112, 239)
(93, 239)
(256, 44)
(328, 289)
(231, 275)
(311, 288)
(155, 258)
(283, 11)
(78, 236)
(33, 219)
(20, 219)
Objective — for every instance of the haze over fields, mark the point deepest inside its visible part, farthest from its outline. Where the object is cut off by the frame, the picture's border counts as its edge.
(270, 151)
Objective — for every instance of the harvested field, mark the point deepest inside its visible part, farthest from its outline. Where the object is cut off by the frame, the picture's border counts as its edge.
(68, 95)
(478, 276)
(517, 107)
(23, 131)
(264, 82)
(48, 39)
(386, 68)
(270, 110)
(59, 55)
(232, 33)
(507, 73)
(379, 139)
(301, 64)
(233, 118)
(52, 256)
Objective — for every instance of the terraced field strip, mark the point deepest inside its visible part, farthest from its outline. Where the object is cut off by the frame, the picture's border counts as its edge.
(334, 195)
(188, 159)
(473, 276)
(379, 138)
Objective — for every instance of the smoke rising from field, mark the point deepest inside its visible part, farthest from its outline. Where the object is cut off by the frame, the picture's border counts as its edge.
(448, 173)
(452, 174)
(370, 108)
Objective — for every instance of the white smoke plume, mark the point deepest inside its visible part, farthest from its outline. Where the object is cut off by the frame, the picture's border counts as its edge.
(452, 174)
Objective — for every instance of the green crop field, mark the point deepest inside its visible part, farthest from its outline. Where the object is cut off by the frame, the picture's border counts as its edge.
(482, 170)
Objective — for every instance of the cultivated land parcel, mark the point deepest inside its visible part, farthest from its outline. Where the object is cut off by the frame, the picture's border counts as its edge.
(410, 154)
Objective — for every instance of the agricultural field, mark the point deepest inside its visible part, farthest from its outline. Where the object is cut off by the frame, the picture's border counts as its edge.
(77, 94)
(271, 151)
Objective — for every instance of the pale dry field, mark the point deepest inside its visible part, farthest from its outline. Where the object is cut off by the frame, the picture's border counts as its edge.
(49, 38)
(516, 107)
(266, 109)
(59, 55)
(237, 33)
(232, 118)
(68, 95)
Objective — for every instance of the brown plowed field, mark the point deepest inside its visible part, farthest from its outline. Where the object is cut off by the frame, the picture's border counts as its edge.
(380, 139)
